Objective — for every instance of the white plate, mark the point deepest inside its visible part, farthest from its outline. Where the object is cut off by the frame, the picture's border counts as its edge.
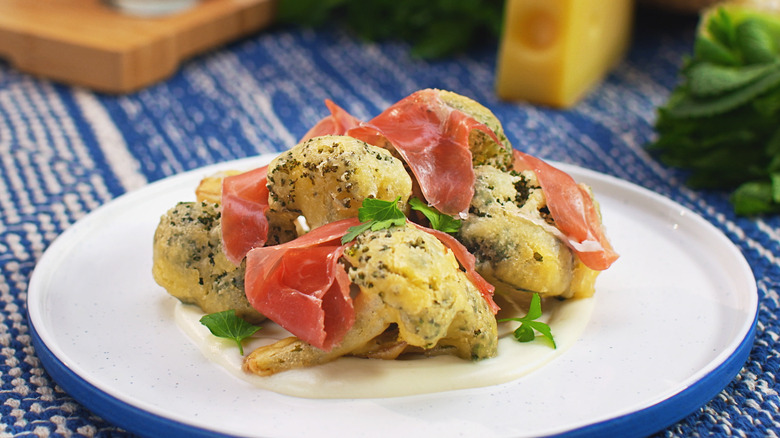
(673, 323)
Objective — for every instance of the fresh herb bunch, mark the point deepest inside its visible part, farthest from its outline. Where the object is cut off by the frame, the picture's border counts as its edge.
(434, 28)
(723, 121)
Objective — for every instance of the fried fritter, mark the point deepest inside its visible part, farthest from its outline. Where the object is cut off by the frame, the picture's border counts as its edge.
(411, 285)
(189, 263)
(509, 232)
(484, 150)
(423, 290)
(325, 179)
(210, 188)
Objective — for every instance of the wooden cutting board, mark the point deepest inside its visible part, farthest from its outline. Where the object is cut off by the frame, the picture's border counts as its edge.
(88, 43)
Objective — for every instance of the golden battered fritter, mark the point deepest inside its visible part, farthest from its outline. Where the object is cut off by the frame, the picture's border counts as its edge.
(423, 291)
(325, 179)
(510, 232)
(483, 149)
(189, 263)
(413, 297)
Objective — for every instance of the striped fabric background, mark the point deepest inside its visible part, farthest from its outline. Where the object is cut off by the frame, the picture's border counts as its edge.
(64, 151)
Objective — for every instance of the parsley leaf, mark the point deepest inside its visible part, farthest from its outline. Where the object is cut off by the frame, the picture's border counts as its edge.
(384, 212)
(353, 232)
(228, 325)
(376, 214)
(528, 325)
(439, 221)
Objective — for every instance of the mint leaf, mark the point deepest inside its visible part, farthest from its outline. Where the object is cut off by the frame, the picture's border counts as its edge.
(754, 197)
(775, 178)
(708, 50)
(528, 326)
(376, 214)
(755, 42)
(228, 325)
(722, 28)
(708, 79)
(693, 107)
(439, 221)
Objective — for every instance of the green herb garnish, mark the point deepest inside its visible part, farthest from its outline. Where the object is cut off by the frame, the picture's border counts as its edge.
(228, 325)
(722, 123)
(528, 327)
(376, 214)
(434, 28)
(439, 221)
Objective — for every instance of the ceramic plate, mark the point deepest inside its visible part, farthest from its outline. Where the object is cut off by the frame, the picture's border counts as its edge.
(673, 323)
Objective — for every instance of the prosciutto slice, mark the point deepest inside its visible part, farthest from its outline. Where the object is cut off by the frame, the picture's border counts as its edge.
(433, 139)
(573, 211)
(337, 123)
(301, 285)
(244, 204)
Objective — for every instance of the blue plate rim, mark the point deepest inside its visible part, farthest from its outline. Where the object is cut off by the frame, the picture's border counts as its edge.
(636, 424)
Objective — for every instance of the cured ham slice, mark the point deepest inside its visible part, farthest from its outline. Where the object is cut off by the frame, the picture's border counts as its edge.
(244, 204)
(337, 123)
(573, 211)
(301, 285)
(433, 139)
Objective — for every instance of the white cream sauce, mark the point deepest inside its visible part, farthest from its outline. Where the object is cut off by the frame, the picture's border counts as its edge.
(350, 377)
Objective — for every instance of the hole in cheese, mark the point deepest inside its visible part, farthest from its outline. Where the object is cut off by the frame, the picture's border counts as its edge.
(538, 29)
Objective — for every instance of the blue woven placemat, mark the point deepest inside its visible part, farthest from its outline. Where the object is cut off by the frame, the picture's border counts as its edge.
(65, 151)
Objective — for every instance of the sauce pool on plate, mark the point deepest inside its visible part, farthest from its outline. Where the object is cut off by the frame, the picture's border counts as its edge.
(351, 377)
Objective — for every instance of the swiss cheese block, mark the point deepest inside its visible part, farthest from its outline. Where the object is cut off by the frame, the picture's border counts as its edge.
(553, 52)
